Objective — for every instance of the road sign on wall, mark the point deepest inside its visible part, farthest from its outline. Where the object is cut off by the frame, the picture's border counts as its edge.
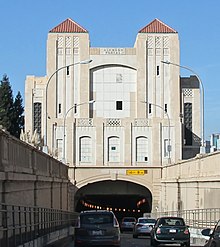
(136, 172)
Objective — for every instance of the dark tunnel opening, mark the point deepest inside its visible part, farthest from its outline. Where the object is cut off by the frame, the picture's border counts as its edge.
(123, 198)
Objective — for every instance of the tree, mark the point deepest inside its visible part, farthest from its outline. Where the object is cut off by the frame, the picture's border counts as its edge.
(6, 103)
(17, 120)
(11, 111)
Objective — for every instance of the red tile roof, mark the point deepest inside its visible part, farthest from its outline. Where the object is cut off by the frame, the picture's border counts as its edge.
(68, 26)
(157, 26)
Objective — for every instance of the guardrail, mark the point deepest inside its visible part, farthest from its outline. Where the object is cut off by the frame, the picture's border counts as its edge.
(21, 224)
(196, 218)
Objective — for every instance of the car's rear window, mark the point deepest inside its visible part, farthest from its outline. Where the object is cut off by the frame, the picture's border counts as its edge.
(129, 220)
(172, 222)
(151, 221)
(92, 219)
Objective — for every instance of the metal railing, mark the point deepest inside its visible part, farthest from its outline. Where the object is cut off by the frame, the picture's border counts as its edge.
(21, 224)
(196, 218)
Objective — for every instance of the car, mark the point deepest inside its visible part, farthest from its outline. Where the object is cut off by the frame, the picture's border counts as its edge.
(143, 227)
(213, 234)
(170, 230)
(127, 223)
(97, 227)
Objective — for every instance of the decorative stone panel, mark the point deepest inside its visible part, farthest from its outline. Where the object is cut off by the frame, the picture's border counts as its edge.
(187, 92)
(150, 42)
(158, 42)
(68, 41)
(85, 122)
(60, 41)
(75, 41)
(141, 122)
(113, 122)
(166, 42)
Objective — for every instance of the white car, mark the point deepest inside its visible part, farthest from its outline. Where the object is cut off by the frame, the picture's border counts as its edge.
(127, 224)
(143, 227)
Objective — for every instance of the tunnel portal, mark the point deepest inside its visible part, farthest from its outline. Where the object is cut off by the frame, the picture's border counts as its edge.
(122, 197)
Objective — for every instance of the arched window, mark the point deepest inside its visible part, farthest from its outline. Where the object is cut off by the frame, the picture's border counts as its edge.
(113, 149)
(85, 149)
(141, 149)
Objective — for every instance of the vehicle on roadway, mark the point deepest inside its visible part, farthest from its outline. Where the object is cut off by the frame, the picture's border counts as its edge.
(127, 223)
(170, 230)
(99, 228)
(143, 227)
(213, 234)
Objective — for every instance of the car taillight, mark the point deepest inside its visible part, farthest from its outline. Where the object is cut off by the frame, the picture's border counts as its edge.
(186, 231)
(158, 231)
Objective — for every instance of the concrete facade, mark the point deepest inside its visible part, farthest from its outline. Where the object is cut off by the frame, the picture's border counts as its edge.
(137, 121)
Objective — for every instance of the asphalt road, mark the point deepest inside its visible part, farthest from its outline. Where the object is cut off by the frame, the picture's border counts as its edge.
(127, 240)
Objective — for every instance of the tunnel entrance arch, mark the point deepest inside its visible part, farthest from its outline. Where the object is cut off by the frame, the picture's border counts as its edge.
(122, 197)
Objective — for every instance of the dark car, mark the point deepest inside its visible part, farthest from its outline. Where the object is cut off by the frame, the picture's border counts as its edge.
(143, 227)
(127, 223)
(170, 230)
(214, 235)
(98, 228)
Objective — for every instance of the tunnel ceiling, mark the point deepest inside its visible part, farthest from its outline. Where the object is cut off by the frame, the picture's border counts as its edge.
(113, 187)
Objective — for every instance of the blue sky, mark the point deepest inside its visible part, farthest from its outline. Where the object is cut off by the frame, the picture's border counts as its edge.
(25, 24)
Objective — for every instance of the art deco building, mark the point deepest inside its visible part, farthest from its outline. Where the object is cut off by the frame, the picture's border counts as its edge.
(144, 113)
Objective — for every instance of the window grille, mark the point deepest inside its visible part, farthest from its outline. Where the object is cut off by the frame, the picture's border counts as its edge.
(188, 123)
(37, 117)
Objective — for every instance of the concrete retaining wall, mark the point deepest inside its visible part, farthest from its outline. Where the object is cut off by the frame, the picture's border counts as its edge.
(30, 177)
(191, 184)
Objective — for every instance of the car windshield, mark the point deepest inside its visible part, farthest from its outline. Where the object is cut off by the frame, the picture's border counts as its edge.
(171, 222)
(151, 221)
(93, 219)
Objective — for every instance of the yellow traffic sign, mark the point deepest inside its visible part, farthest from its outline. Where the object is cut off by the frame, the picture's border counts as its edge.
(136, 172)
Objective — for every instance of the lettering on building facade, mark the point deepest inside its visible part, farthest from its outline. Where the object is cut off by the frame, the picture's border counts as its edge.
(112, 51)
